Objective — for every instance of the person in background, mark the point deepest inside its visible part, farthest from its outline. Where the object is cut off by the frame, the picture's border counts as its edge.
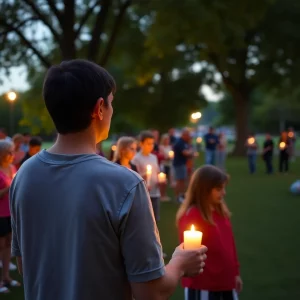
(211, 142)
(83, 227)
(4, 136)
(166, 164)
(7, 173)
(252, 146)
(205, 208)
(182, 151)
(173, 138)
(25, 144)
(19, 153)
(292, 141)
(221, 151)
(284, 156)
(35, 145)
(125, 152)
(144, 158)
(268, 153)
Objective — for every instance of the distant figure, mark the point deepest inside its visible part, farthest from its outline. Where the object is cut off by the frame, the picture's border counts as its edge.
(268, 153)
(19, 153)
(221, 151)
(25, 144)
(292, 146)
(173, 138)
(252, 147)
(125, 152)
(211, 142)
(284, 156)
(35, 145)
(182, 152)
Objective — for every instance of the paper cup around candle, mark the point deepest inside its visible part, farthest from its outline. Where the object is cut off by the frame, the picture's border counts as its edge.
(192, 239)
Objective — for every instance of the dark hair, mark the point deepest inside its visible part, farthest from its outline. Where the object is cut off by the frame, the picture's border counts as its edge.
(71, 91)
(146, 135)
(35, 141)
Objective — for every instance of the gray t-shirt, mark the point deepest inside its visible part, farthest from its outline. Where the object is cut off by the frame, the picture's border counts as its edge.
(84, 228)
(141, 161)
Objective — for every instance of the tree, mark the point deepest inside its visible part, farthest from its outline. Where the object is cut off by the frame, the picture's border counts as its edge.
(236, 38)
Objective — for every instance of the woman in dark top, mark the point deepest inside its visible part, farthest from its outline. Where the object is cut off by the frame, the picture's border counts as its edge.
(125, 151)
(284, 156)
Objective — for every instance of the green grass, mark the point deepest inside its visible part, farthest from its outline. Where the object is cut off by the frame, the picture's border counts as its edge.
(266, 225)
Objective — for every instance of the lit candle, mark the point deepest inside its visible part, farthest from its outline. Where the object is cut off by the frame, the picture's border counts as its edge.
(199, 140)
(192, 239)
(291, 134)
(148, 174)
(162, 178)
(251, 141)
(171, 154)
(113, 147)
(282, 145)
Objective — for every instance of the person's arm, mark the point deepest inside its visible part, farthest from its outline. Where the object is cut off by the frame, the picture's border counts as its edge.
(4, 189)
(148, 276)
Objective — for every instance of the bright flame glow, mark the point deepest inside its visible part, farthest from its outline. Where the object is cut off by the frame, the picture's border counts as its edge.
(113, 147)
(199, 140)
(11, 96)
(192, 228)
(196, 116)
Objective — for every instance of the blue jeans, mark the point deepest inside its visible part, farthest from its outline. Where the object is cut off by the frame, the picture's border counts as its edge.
(210, 157)
(221, 157)
(252, 163)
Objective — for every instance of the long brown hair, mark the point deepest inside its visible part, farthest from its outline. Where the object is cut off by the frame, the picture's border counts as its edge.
(203, 181)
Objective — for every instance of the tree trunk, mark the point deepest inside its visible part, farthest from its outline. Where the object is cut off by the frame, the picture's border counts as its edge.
(241, 103)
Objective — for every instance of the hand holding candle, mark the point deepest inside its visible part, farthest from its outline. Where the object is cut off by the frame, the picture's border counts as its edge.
(192, 239)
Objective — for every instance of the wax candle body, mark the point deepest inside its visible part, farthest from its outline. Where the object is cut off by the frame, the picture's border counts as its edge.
(148, 174)
(192, 239)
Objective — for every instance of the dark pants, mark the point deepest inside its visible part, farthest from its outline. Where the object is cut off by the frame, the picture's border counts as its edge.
(252, 163)
(190, 294)
(283, 161)
(269, 164)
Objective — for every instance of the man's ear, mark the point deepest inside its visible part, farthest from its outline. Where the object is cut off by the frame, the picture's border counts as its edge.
(98, 109)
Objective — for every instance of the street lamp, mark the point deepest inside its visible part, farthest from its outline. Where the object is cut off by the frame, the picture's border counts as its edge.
(12, 97)
(195, 117)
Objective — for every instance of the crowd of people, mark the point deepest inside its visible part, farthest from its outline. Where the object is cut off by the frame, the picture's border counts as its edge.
(75, 217)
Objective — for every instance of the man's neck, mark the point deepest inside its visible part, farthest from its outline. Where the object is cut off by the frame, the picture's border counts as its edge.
(74, 143)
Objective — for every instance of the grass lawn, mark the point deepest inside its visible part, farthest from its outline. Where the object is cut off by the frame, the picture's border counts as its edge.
(266, 226)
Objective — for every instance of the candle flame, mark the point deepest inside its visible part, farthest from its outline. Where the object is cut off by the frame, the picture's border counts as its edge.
(282, 145)
(149, 168)
(192, 228)
(113, 147)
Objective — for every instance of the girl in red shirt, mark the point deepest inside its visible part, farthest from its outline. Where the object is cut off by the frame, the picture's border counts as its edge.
(204, 207)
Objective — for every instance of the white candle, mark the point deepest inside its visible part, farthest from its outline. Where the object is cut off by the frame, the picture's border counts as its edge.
(192, 239)
(162, 177)
(148, 174)
(171, 154)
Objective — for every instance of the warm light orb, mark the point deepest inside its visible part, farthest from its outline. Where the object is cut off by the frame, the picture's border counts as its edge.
(251, 141)
(113, 147)
(291, 134)
(11, 96)
(149, 168)
(199, 140)
(196, 116)
(192, 228)
(282, 145)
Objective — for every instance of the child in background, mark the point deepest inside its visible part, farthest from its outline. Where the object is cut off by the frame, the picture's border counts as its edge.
(205, 208)
(143, 158)
(125, 152)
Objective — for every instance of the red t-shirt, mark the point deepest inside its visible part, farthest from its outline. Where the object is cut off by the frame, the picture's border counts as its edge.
(5, 181)
(221, 265)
